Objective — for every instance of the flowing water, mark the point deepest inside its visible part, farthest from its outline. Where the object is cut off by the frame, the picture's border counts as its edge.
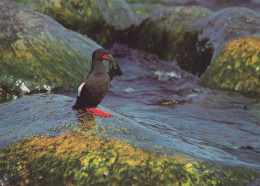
(210, 124)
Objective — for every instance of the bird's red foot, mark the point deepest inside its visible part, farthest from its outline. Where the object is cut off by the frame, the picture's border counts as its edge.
(98, 112)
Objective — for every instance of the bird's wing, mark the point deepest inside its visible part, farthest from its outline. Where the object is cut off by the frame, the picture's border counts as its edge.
(80, 88)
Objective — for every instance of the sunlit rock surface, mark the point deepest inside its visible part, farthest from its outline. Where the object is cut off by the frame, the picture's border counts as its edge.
(98, 19)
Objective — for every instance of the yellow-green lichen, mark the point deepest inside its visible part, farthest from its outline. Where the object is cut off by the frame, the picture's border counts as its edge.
(38, 52)
(237, 67)
(96, 19)
(80, 157)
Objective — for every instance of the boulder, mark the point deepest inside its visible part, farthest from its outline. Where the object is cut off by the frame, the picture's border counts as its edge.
(237, 67)
(235, 62)
(43, 141)
(144, 7)
(37, 53)
(39, 114)
(195, 36)
(227, 24)
(51, 114)
(165, 33)
(100, 20)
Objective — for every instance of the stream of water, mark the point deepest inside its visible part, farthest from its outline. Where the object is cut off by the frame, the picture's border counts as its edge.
(211, 124)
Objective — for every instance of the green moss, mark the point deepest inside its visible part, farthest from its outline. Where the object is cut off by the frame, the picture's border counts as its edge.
(166, 34)
(42, 64)
(79, 157)
(37, 53)
(191, 54)
(236, 68)
(96, 19)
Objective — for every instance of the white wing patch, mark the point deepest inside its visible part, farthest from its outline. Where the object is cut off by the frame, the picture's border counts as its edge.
(80, 88)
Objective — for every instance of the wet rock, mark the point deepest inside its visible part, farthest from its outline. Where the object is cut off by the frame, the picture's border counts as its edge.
(52, 114)
(247, 147)
(195, 37)
(80, 158)
(82, 151)
(37, 53)
(166, 34)
(100, 20)
(40, 114)
(161, 32)
(227, 24)
(143, 7)
(237, 67)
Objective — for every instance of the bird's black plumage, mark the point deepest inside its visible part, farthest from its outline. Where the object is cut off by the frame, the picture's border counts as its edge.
(94, 86)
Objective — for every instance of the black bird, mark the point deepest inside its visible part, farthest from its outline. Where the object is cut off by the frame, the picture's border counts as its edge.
(94, 86)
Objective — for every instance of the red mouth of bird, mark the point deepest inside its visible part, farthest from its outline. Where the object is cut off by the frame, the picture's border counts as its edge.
(106, 57)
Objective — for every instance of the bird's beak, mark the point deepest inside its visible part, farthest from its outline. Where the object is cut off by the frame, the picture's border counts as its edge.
(105, 56)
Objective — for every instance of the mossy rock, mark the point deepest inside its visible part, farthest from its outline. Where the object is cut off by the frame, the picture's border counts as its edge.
(166, 33)
(142, 9)
(145, 6)
(234, 34)
(236, 68)
(80, 158)
(37, 53)
(226, 25)
(98, 19)
(73, 147)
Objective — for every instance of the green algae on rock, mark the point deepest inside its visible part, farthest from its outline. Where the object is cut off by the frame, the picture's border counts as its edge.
(193, 36)
(98, 19)
(226, 25)
(81, 158)
(166, 34)
(237, 67)
(71, 147)
(37, 53)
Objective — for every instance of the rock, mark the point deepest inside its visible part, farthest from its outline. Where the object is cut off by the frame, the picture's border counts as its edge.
(143, 7)
(100, 20)
(52, 114)
(237, 67)
(39, 114)
(59, 145)
(37, 53)
(82, 159)
(226, 25)
(194, 37)
(229, 27)
(165, 33)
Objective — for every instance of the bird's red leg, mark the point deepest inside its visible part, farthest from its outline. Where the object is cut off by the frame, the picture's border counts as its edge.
(98, 112)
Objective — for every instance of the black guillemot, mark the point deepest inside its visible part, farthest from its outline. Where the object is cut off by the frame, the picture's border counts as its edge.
(94, 86)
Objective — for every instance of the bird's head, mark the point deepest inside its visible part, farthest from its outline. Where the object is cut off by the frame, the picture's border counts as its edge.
(101, 54)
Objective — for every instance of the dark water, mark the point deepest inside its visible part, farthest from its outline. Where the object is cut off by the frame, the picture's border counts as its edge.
(210, 124)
